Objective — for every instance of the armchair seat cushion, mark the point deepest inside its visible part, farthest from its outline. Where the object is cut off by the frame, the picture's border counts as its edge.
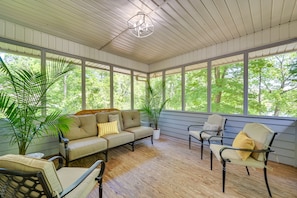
(196, 134)
(233, 156)
(140, 131)
(70, 174)
(84, 147)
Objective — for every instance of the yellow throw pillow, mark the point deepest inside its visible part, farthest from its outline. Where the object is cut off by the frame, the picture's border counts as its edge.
(107, 128)
(244, 142)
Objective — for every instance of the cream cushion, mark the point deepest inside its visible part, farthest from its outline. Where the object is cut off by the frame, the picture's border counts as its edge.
(116, 117)
(26, 164)
(141, 131)
(234, 157)
(261, 134)
(84, 147)
(131, 118)
(82, 126)
(68, 175)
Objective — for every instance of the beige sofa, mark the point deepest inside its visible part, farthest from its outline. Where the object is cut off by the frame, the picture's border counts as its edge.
(84, 137)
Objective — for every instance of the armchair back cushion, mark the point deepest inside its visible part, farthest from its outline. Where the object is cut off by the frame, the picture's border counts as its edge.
(26, 164)
(262, 136)
(131, 118)
(217, 120)
(83, 126)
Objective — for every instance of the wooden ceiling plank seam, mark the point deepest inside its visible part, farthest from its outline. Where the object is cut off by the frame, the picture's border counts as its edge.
(207, 18)
(277, 9)
(287, 10)
(236, 15)
(181, 24)
(266, 10)
(188, 16)
(256, 15)
(294, 16)
(220, 23)
(197, 19)
(226, 16)
(245, 10)
(173, 24)
(171, 28)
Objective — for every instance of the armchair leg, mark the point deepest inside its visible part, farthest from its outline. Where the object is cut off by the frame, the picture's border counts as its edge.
(266, 181)
(189, 141)
(100, 188)
(247, 170)
(224, 174)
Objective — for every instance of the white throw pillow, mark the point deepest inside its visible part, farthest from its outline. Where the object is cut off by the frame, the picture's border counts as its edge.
(211, 127)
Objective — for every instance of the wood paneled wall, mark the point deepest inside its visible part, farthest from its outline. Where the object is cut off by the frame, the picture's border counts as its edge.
(285, 145)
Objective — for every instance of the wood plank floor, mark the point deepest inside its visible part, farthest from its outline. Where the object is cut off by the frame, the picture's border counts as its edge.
(169, 169)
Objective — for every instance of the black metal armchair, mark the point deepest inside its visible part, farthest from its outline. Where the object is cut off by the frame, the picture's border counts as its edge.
(214, 126)
(250, 148)
(22, 176)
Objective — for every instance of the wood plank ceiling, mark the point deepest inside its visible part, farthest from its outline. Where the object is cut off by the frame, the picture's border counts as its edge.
(180, 26)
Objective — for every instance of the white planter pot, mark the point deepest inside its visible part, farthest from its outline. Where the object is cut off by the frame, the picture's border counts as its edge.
(156, 134)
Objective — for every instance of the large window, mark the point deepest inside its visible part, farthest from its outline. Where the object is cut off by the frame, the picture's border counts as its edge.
(196, 87)
(227, 85)
(139, 89)
(18, 57)
(121, 88)
(272, 83)
(66, 95)
(173, 90)
(97, 86)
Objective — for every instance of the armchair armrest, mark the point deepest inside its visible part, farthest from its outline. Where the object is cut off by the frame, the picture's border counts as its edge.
(61, 161)
(84, 176)
(218, 136)
(240, 149)
(194, 125)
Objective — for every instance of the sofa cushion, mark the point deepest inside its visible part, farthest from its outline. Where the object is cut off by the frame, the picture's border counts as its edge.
(25, 164)
(118, 139)
(131, 118)
(84, 147)
(82, 126)
(116, 117)
(102, 117)
(107, 128)
(141, 131)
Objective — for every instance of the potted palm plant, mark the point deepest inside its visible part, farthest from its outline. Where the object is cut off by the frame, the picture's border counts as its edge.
(22, 99)
(152, 107)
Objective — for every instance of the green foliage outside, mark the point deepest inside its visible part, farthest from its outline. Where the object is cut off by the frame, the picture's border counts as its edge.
(22, 102)
(272, 87)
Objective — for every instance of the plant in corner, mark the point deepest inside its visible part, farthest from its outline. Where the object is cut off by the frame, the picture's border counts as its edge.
(22, 99)
(153, 104)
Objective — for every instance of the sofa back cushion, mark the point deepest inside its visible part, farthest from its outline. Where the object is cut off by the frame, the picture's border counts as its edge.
(131, 118)
(103, 117)
(83, 126)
